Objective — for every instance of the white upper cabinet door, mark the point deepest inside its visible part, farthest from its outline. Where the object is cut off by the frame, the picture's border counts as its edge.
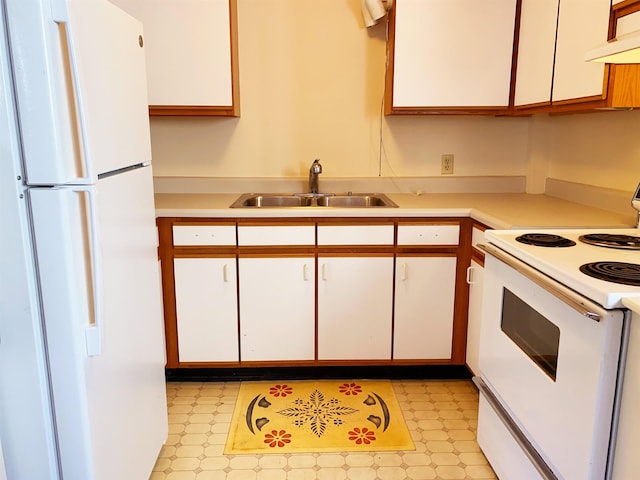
(582, 25)
(536, 49)
(188, 50)
(453, 52)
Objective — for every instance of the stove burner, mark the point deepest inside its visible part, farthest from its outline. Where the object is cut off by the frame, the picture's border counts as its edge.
(545, 240)
(617, 272)
(628, 242)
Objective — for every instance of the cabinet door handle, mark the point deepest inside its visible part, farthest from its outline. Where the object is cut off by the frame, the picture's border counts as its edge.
(324, 271)
(403, 274)
(225, 273)
(470, 276)
(305, 272)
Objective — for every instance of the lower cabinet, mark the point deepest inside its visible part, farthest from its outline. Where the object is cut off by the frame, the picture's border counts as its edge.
(355, 307)
(206, 309)
(424, 304)
(316, 292)
(475, 278)
(277, 308)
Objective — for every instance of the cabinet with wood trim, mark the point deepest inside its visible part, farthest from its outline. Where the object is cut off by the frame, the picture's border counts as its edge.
(200, 291)
(314, 291)
(191, 51)
(206, 309)
(552, 75)
(425, 287)
(475, 277)
(450, 56)
(355, 282)
(276, 268)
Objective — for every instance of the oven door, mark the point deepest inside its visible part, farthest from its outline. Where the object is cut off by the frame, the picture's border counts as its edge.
(549, 359)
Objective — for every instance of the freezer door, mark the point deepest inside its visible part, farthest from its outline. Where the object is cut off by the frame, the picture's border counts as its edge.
(81, 89)
(104, 332)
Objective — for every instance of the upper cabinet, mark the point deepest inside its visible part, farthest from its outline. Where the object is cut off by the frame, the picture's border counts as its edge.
(582, 24)
(450, 56)
(536, 49)
(498, 57)
(551, 73)
(191, 53)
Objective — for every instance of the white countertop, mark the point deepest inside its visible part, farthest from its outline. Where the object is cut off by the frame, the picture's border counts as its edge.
(497, 210)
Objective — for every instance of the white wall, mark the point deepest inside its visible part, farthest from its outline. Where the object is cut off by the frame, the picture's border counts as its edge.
(311, 85)
(601, 149)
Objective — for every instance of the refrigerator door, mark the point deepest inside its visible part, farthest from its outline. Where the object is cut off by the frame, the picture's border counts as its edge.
(81, 83)
(109, 403)
(26, 426)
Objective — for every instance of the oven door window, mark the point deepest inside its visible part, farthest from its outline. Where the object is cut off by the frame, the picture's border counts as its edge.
(534, 334)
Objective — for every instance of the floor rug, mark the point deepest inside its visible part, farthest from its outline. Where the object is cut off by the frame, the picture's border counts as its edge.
(317, 416)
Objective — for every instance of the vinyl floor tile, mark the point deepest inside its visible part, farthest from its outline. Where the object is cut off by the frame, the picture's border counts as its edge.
(441, 416)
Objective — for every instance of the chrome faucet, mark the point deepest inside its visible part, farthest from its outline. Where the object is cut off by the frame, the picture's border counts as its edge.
(314, 171)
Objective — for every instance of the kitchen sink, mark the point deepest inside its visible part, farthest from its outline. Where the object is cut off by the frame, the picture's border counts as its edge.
(271, 200)
(288, 200)
(356, 201)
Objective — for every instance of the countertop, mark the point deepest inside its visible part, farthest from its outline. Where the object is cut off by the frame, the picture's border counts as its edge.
(496, 210)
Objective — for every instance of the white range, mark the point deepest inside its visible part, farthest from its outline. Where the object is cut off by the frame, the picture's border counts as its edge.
(553, 345)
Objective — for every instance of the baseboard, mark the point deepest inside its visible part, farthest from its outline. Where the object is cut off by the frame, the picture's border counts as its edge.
(423, 372)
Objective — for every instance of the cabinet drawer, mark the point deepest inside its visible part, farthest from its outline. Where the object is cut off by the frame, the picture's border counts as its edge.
(428, 234)
(477, 236)
(276, 235)
(355, 234)
(204, 235)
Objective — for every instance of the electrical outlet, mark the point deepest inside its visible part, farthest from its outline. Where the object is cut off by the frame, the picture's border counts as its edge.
(446, 167)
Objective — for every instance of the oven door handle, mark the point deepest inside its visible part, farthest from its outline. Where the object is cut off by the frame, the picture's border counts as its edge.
(556, 289)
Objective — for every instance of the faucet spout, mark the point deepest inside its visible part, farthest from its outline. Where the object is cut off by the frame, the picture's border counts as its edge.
(314, 171)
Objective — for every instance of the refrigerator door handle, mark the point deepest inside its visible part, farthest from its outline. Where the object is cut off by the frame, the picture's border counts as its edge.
(81, 127)
(93, 333)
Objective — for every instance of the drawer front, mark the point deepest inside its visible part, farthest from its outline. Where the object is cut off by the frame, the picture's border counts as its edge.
(477, 236)
(204, 235)
(276, 235)
(355, 234)
(428, 234)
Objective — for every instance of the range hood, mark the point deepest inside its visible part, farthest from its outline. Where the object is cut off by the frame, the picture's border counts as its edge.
(624, 49)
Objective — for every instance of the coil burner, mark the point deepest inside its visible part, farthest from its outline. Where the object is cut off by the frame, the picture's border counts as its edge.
(627, 242)
(616, 272)
(545, 240)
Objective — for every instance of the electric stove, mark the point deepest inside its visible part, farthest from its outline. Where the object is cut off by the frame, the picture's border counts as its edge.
(579, 265)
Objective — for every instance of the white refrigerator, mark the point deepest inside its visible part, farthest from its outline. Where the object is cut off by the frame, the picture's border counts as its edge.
(82, 391)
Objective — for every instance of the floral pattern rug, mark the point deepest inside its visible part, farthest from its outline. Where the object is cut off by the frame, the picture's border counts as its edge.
(317, 416)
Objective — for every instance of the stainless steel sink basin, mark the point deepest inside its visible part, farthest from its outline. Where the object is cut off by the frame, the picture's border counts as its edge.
(271, 200)
(278, 200)
(366, 200)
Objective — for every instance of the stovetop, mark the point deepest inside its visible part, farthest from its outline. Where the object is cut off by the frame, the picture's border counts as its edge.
(563, 263)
